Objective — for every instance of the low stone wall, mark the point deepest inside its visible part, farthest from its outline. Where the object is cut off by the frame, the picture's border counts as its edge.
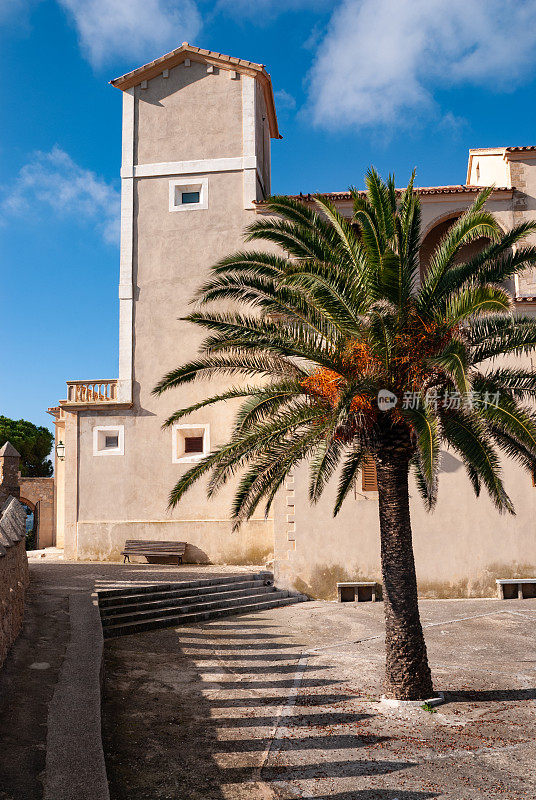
(14, 576)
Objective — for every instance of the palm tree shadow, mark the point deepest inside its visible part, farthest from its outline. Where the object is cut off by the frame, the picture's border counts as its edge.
(376, 794)
(176, 725)
(489, 695)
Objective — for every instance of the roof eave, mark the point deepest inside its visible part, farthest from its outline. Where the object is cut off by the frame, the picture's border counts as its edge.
(176, 57)
(427, 191)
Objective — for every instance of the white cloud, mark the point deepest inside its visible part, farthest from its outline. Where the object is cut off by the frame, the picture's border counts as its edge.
(284, 101)
(381, 60)
(55, 181)
(139, 30)
(16, 11)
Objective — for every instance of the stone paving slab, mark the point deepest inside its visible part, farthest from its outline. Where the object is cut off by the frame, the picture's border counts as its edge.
(50, 745)
(283, 705)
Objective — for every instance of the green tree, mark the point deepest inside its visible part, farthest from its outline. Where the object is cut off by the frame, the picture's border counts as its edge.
(342, 317)
(33, 443)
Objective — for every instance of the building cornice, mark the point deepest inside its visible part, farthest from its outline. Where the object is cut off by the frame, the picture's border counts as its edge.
(200, 166)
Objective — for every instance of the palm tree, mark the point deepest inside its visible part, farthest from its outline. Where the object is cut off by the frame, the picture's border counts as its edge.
(329, 321)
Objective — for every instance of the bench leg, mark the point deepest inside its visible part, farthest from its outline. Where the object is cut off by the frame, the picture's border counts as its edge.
(125, 559)
(520, 591)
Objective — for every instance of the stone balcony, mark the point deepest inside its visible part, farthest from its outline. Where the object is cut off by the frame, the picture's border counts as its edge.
(89, 394)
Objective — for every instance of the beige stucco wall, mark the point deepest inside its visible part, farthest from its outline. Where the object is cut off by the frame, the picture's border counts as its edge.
(189, 115)
(460, 548)
(488, 167)
(523, 176)
(262, 140)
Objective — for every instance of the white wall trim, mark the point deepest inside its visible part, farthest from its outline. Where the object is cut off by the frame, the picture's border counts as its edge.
(99, 431)
(199, 429)
(127, 143)
(202, 165)
(248, 140)
(194, 184)
(126, 254)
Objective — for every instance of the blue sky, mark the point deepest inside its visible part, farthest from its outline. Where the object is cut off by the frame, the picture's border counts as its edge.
(394, 83)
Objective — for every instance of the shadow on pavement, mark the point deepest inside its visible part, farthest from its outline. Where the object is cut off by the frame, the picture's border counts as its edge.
(191, 713)
(489, 695)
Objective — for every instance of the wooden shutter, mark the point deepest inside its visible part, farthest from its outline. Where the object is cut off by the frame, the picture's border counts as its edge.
(193, 444)
(369, 479)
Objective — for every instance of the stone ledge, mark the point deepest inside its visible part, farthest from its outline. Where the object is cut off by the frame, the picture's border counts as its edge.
(75, 766)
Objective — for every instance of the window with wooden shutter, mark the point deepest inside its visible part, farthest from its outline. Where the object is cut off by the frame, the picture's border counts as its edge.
(369, 479)
(193, 444)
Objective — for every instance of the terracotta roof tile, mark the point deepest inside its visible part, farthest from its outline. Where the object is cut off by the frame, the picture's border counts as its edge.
(519, 149)
(184, 48)
(421, 190)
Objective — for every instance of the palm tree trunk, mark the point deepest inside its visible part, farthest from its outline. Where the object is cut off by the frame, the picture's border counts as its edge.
(407, 672)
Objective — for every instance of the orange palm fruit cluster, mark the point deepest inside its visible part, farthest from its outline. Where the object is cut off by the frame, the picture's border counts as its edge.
(324, 384)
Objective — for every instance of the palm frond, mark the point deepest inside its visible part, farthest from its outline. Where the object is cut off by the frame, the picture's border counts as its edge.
(424, 423)
(465, 434)
(476, 300)
(349, 472)
(241, 364)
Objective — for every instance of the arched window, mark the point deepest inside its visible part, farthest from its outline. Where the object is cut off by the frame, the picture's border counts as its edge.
(434, 236)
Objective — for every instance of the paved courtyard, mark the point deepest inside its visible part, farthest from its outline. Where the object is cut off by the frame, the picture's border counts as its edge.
(283, 705)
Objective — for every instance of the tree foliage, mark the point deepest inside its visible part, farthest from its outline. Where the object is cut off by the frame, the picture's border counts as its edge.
(341, 314)
(34, 444)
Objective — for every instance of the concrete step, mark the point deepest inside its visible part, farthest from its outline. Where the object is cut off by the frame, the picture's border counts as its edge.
(192, 608)
(165, 594)
(172, 600)
(202, 583)
(155, 622)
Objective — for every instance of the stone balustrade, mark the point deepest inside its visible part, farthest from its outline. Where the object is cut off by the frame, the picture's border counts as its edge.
(91, 392)
(14, 575)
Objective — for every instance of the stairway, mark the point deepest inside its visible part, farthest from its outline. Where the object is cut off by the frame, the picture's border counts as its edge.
(141, 608)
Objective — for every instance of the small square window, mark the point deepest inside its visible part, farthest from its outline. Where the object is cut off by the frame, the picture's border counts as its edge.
(190, 442)
(190, 197)
(109, 440)
(187, 194)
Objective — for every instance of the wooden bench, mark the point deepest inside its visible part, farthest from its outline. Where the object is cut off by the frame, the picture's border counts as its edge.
(359, 591)
(516, 588)
(137, 547)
